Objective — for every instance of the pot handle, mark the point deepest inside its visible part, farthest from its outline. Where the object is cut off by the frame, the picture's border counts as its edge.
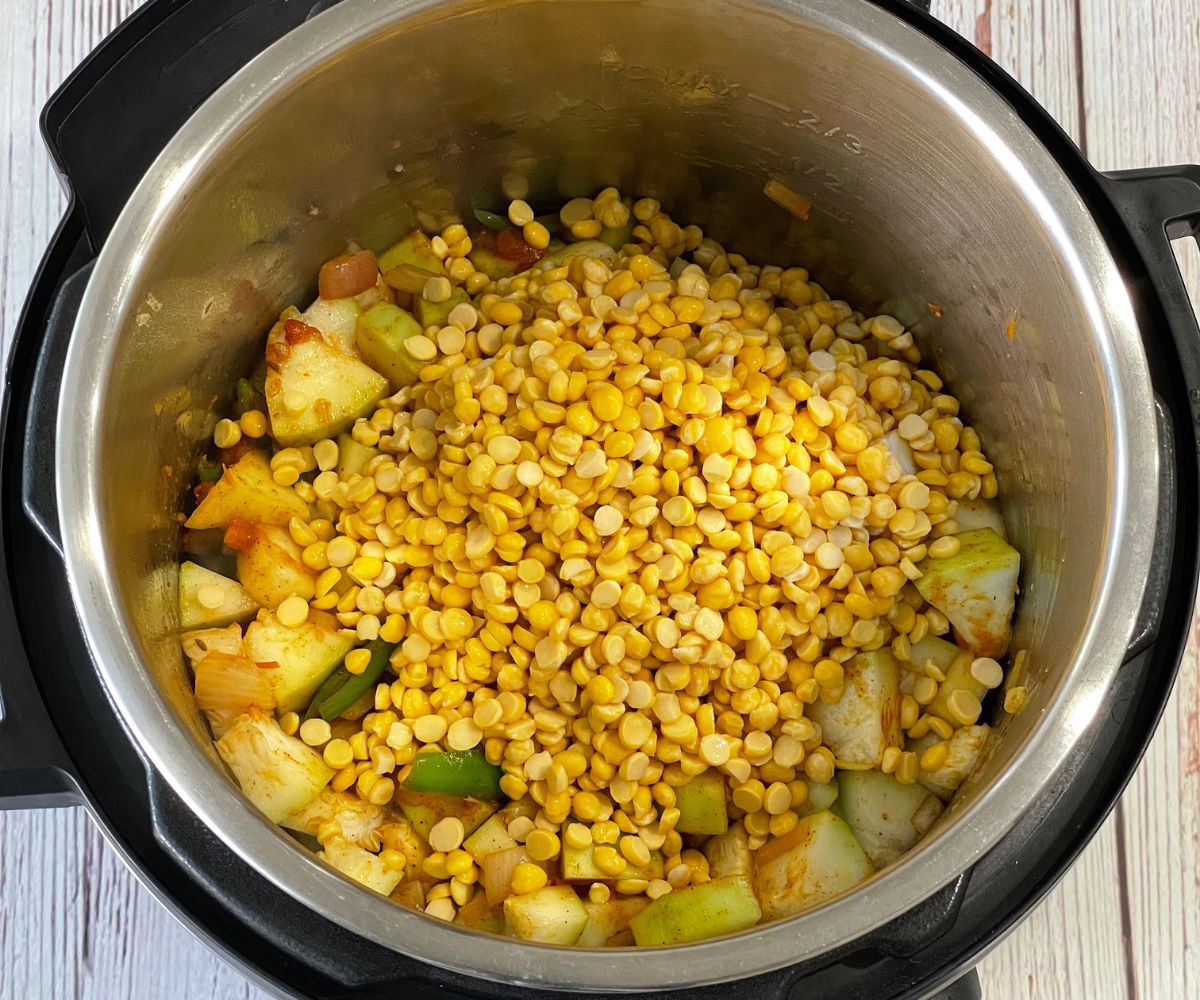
(35, 768)
(35, 771)
(1157, 206)
(102, 135)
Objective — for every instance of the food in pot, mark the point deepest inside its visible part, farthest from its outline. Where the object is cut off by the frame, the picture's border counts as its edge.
(595, 586)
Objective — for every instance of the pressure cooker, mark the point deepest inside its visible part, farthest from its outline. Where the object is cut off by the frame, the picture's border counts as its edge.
(216, 152)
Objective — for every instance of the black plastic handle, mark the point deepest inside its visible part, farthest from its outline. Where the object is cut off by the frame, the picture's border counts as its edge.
(35, 770)
(1159, 205)
(102, 129)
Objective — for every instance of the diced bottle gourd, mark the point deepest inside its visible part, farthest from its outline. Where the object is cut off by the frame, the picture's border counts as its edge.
(487, 261)
(383, 331)
(492, 836)
(865, 720)
(337, 319)
(818, 860)
(607, 920)
(933, 649)
(210, 600)
(317, 391)
(583, 248)
(721, 906)
(247, 492)
(305, 655)
(550, 915)
(480, 915)
(271, 570)
(976, 589)
(887, 817)
(701, 804)
(437, 313)
(277, 772)
(974, 514)
(362, 866)
(820, 797)
(424, 810)
(352, 457)
(579, 865)
(417, 249)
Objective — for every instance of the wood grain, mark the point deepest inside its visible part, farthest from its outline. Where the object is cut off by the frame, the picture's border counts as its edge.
(1142, 107)
(1124, 79)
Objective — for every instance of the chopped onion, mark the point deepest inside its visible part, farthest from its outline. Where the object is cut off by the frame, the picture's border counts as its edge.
(232, 683)
(496, 871)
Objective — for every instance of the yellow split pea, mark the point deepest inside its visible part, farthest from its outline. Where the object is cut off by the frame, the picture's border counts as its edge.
(633, 517)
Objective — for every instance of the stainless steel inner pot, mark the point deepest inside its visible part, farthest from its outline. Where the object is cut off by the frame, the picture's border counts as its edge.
(926, 189)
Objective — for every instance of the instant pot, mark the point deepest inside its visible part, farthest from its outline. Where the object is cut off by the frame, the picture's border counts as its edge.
(216, 151)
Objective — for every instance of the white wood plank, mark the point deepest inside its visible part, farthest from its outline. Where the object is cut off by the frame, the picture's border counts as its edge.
(1142, 97)
(1035, 40)
(1070, 947)
(75, 923)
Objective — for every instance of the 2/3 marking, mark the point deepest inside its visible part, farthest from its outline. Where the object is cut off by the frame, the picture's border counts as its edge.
(812, 121)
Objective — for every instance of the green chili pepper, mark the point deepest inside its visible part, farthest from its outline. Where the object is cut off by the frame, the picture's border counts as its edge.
(551, 221)
(465, 773)
(491, 219)
(345, 696)
(248, 398)
(334, 681)
(208, 471)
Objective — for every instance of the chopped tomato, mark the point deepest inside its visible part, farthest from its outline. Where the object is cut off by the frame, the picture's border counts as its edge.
(240, 534)
(348, 275)
(296, 331)
(267, 664)
(511, 246)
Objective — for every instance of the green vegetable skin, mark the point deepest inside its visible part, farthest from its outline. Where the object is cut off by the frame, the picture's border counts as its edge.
(330, 685)
(248, 397)
(491, 219)
(381, 335)
(579, 865)
(465, 773)
(338, 694)
(820, 798)
(722, 906)
(437, 313)
(208, 471)
(491, 263)
(424, 810)
(417, 249)
(701, 804)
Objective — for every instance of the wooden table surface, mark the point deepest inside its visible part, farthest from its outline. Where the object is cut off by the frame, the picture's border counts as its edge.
(1123, 78)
